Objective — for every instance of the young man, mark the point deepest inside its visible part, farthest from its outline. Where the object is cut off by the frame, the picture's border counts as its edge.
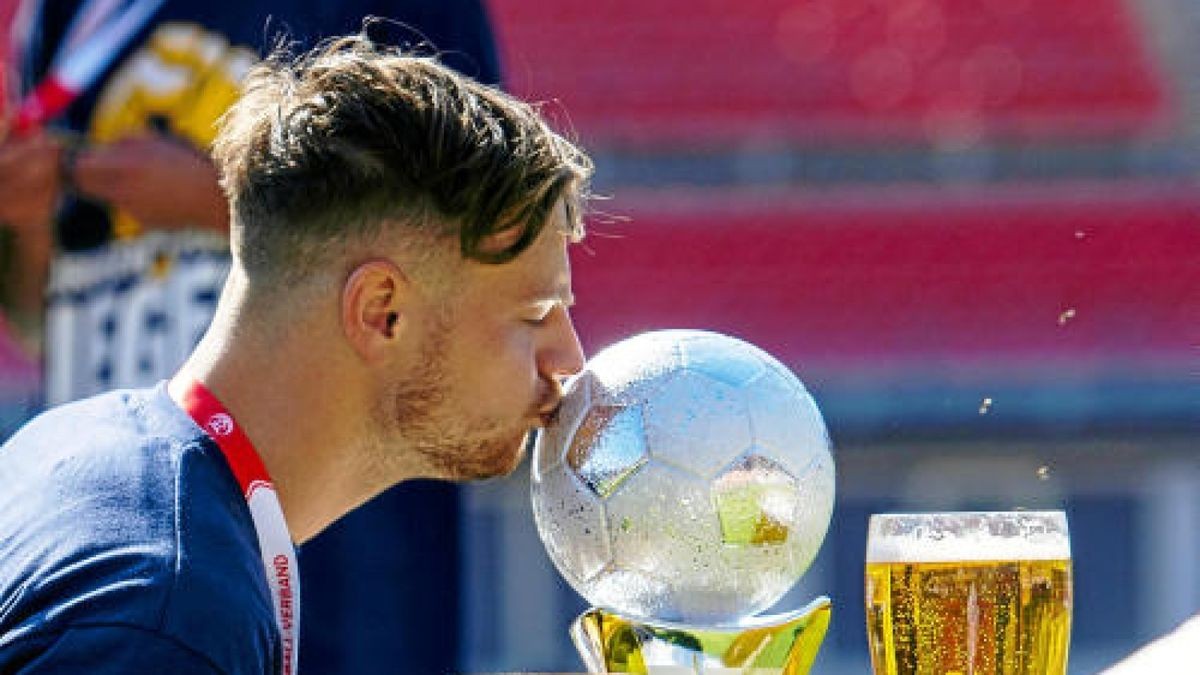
(122, 249)
(396, 308)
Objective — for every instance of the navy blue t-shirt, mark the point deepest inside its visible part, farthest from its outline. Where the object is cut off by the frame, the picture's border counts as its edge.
(127, 547)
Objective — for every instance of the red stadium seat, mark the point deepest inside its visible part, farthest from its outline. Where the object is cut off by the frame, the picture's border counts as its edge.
(1002, 283)
(701, 71)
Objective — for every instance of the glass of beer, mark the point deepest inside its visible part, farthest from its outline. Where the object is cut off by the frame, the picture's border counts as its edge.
(979, 593)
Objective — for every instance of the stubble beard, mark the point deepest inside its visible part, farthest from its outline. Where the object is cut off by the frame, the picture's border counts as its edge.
(443, 444)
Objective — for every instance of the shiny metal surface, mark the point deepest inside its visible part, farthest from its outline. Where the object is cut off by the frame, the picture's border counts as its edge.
(688, 478)
(784, 644)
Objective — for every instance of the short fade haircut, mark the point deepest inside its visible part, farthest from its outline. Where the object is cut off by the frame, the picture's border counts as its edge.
(354, 140)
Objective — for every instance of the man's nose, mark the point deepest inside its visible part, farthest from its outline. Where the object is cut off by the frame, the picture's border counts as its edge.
(565, 357)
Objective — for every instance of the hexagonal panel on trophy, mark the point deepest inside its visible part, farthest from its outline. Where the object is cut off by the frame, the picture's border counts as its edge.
(709, 354)
(662, 523)
(609, 445)
(697, 423)
(757, 501)
(629, 371)
(786, 419)
(814, 509)
(552, 442)
(635, 592)
(571, 522)
(660, 519)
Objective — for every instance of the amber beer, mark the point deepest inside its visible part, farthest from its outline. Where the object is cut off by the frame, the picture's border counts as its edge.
(969, 593)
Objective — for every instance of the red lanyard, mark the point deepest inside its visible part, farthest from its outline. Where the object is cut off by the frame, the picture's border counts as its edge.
(274, 541)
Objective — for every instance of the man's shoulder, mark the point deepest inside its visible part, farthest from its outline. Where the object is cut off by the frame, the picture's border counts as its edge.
(113, 444)
(121, 512)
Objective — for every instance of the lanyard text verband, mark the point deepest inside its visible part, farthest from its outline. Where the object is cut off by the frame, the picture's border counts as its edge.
(274, 541)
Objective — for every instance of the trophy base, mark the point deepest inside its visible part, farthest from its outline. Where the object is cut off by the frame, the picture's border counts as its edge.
(784, 644)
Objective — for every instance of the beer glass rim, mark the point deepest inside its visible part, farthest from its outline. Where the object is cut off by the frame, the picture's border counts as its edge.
(966, 536)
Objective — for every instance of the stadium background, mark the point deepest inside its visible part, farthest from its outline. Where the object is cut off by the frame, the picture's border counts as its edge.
(972, 227)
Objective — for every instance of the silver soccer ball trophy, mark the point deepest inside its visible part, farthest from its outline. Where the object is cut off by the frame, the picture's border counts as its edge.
(685, 486)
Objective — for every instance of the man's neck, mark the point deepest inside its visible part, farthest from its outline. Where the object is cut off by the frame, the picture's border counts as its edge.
(281, 397)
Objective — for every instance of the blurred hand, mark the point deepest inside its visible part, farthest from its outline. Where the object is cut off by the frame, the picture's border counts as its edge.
(29, 191)
(29, 183)
(160, 181)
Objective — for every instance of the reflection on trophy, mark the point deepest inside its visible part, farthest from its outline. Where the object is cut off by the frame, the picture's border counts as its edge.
(686, 485)
(984, 593)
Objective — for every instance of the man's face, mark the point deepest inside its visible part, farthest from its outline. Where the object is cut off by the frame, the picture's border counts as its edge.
(497, 344)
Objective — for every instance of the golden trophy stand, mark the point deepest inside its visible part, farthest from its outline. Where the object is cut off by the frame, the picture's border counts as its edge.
(781, 644)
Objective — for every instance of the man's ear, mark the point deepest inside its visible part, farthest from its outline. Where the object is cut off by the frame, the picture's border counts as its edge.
(374, 302)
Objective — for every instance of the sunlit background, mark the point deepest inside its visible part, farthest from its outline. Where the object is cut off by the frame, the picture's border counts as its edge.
(971, 227)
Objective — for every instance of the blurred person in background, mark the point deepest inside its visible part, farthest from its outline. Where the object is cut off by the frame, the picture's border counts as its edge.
(396, 308)
(113, 243)
(117, 225)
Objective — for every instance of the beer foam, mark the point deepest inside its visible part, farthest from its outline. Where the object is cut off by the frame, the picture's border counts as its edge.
(1042, 538)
